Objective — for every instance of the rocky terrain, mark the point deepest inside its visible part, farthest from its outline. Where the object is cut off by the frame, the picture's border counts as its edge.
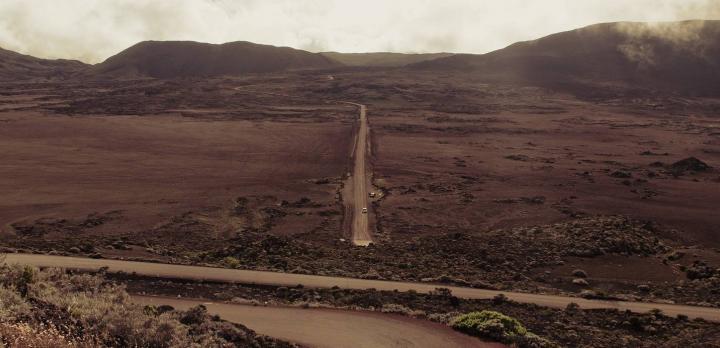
(567, 165)
(502, 188)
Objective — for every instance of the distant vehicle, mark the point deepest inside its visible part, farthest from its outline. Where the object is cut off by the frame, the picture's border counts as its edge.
(364, 210)
(372, 194)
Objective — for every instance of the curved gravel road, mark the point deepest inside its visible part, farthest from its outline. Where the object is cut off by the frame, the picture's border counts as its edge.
(312, 281)
(332, 328)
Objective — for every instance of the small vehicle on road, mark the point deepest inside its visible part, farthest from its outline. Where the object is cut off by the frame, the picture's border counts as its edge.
(364, 210)
(372, 194)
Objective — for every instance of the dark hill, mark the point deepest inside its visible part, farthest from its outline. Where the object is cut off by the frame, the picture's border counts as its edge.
(15, 66)
(677, 56)
(168, 59)
(383, 59)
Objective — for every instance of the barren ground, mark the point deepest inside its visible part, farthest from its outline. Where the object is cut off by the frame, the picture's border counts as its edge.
(484, 185)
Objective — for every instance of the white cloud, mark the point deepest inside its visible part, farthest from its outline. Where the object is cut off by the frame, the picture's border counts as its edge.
(92, 30)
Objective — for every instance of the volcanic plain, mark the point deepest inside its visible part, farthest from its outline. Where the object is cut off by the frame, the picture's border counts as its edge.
(488, 185)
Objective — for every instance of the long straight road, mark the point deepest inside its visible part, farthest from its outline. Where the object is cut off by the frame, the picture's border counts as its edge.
(312, 281)
(359, 182)
(331, 328)
(356, 193)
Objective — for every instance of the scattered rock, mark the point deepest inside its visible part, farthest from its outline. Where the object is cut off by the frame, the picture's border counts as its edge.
(689, 164)
(676, 255)
(580, 282)
(579, 273)
(621, 174)
(650, 153)
(5, 250)
(644, 288)
(371, 274)
(119, 245)
(588, 294)
(700, 270)
(534, 200)
(521, 158)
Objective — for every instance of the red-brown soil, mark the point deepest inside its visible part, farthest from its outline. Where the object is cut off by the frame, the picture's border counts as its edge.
(483, 184)
(94, 175)
(486, 182)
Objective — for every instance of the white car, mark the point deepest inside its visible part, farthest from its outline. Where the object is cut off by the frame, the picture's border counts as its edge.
(372, 194)
(364, 210)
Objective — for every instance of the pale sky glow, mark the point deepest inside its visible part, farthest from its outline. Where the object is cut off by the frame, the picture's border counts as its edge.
(92, 30)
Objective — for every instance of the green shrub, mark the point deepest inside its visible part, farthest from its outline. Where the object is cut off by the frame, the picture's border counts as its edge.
(231, 262)
(498, 327)
(531, 340)
(489, 324)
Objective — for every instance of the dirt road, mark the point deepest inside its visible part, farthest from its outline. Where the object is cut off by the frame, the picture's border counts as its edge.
(359, 183)
(331, 328)
(356, 191)
(286, 279)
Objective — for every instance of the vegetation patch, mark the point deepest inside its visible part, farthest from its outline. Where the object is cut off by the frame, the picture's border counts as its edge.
(498, 327)
(569, 327)
(52, 308)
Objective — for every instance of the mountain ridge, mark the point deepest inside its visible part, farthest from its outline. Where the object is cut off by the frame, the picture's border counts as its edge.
(167, 59)
(682, 56)
(666, 55)
(18, 66)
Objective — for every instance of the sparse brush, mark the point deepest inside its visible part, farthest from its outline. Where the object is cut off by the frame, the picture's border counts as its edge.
(499, 327)
(87, 306)
(12, 305)
(23, 335)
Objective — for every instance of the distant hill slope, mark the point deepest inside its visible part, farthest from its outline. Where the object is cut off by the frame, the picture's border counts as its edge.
(167, 59)
(383, 59)
(16, 66)
(680, 56)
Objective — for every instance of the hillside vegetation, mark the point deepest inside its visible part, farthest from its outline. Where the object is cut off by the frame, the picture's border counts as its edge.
(52, 308)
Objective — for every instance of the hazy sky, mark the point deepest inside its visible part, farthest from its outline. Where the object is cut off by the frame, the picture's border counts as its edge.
(92, 30)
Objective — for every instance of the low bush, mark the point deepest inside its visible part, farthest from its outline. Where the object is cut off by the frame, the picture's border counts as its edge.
(52, 308)
(498, 327)
(12, 305)
(23, 335)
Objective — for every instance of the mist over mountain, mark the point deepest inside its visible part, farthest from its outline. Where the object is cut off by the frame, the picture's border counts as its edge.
(383, 59)
(682, 56)
(678, 56)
